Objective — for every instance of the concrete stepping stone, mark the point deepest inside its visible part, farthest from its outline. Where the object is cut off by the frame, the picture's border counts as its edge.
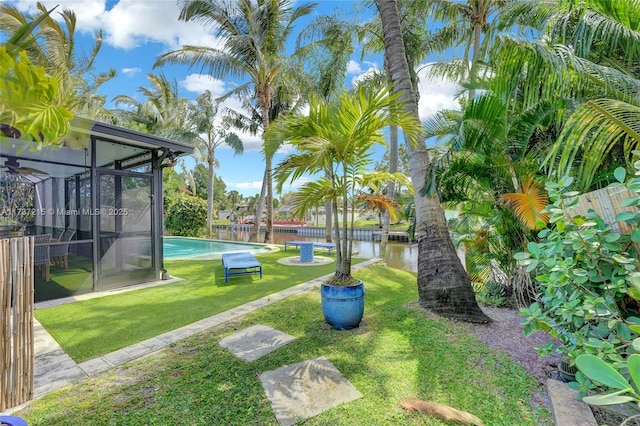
(253, 342)
(306, 389)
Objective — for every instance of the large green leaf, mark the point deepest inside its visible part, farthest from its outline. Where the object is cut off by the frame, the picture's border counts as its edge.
(633, 364)
(599, 371)
(607, 399)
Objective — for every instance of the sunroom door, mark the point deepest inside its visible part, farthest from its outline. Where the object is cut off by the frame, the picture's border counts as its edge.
(125, 228)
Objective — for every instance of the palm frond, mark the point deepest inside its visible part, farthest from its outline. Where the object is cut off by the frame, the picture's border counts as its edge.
(590, 134)
(529, 205)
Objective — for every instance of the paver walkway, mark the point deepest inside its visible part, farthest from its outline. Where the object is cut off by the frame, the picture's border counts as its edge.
(253, 342)
(54, 368)
(305, 389)
(297, 391)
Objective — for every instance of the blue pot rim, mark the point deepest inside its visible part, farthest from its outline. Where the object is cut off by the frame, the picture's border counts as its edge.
(360, 283)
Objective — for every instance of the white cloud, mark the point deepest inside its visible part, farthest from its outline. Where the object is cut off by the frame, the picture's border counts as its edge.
(257, 185)
(435, 95)
(198, 83)
(358, 78)
(87, 12)
(130, 72)
(131, 23)
(353, 67)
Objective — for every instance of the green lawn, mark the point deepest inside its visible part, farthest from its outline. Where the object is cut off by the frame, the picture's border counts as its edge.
(77, 279)
(397, 352)
(94, 327)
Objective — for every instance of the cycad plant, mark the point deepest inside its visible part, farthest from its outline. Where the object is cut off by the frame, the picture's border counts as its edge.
(337, 137)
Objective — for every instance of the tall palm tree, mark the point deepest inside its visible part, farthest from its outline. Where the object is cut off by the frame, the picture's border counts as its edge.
(210, 136)
(466, 24)
(254, 37)
(417, 46)
(56, 50)
(162, 111)
(443, 285)
(327, 45)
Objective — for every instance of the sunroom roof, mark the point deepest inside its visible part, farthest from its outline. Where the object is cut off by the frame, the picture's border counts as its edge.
(117, 144)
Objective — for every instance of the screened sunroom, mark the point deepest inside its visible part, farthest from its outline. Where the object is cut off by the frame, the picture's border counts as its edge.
(95, 211)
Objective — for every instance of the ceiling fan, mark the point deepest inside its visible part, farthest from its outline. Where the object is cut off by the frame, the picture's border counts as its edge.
(14, 167)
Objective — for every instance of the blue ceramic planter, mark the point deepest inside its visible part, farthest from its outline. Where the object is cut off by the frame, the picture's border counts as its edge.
(343, 307)
(12, 421)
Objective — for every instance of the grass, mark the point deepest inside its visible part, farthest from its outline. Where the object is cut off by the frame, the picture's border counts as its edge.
(94, 327)
(397, 352)
(65, 282)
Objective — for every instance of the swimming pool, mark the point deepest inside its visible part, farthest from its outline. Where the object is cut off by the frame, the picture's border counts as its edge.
(197, 248)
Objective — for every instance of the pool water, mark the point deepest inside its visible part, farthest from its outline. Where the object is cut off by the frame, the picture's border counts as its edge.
(196, 248)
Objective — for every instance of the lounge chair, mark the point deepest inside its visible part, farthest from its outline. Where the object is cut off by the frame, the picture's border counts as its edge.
(242, 263)
(328, 246)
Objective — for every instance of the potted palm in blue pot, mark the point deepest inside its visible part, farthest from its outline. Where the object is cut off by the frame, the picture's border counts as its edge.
(334, 142)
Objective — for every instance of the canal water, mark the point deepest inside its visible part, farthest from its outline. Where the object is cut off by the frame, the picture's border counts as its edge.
(399, 255)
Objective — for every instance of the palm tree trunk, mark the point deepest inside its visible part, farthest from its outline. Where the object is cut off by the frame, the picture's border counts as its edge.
(268, 236)
(210, 184)
(391, 187)
(477, 32)
(257, 217)
(328, 211)
(443, 285)
(267, 186)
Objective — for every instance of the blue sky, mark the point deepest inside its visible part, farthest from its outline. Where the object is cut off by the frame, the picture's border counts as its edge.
(135, 32)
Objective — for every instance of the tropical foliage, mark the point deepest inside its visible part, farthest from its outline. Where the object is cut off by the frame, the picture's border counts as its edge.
(53, 47)
(28, 95)
(162, 112)
(589, 277)
(186, 216)
(336, 137)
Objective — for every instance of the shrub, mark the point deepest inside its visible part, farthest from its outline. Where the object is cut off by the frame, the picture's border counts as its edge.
(186, 216)
(589, 279)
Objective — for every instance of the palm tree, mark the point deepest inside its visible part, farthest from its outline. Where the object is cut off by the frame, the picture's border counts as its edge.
(443, 285)
(28, 95)
(162, 112)
(210, 136)
(55, 50)
(593, 62)
(254, 37)
(467, 24)
(417, 46)
(337, 135)
(327, 44)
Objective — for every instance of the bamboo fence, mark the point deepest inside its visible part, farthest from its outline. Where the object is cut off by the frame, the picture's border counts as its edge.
(607, 202)
(16, 328)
